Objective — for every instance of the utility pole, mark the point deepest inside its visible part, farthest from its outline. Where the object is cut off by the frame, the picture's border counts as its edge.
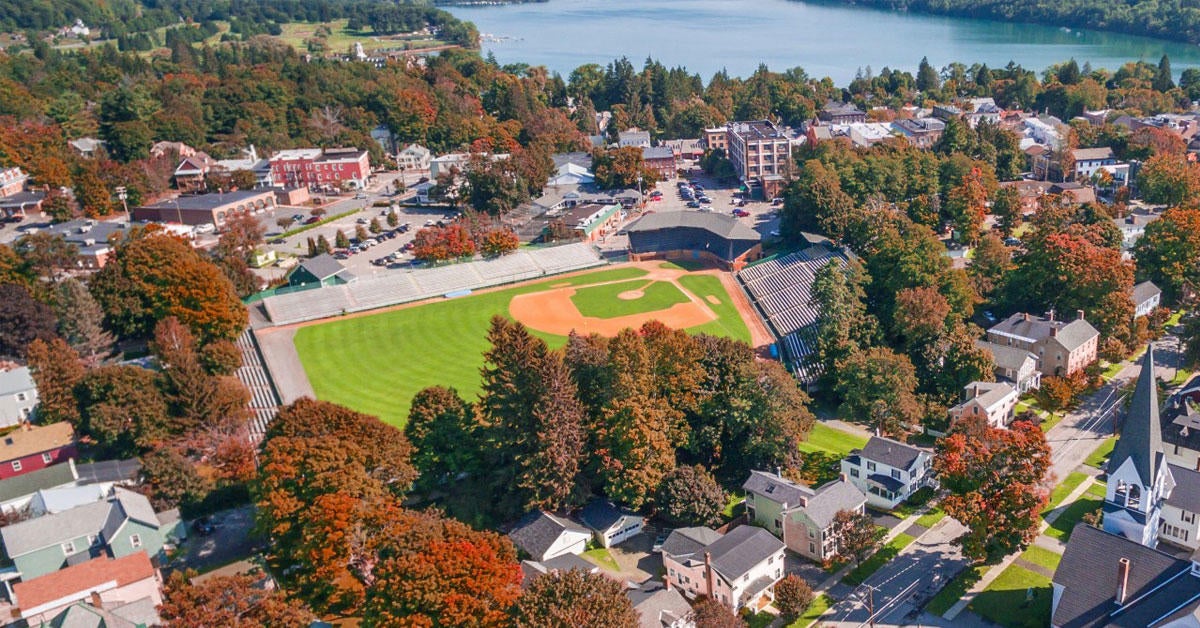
(871, 605)
(123, 195)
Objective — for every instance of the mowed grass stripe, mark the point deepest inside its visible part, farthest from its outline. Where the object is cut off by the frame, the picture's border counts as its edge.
(729, 321)
(603, 301)
(376, 364)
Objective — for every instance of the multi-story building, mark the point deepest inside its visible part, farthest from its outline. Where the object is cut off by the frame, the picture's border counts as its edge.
(887, 471)
(15, 202)
(413, 157)
(841, 113)
(12, 180)
(760, 153)
(1146, 297)
(32, 448)
(1089, 161)
(993, 402)
(716, 137)
(18, 396)
(660, 159)
(1017, 366)
(920, 132)
(317, 168)
(800, 516)
(738, 569)
(1062, 348)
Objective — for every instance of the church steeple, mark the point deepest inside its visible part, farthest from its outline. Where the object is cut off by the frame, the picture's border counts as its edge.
(1141, 435)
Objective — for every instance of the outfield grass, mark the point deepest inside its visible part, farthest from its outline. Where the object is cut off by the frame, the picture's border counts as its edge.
(1100, 456)
(818, 607)
(885, 554)
(602, 301)
(729, 321)
(1063, 489)
(376, 364)
(1006, 601)
(830, 440)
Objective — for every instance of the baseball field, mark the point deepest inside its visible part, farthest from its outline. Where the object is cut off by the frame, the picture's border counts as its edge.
(375, 363)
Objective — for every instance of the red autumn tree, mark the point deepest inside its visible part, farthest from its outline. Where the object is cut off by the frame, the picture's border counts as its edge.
(574, 598)
(997, 482)
(497, 241)
(436, 244)
(230, 601)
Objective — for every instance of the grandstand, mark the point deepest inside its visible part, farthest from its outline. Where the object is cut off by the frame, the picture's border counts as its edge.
(693, 234)
(398, 287)
(781, 290)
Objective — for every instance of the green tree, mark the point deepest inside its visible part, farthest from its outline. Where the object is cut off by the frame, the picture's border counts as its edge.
(691, 496)
(441, 429)
(23, 319)
(857, 535)
(1166, 254)
(843, 325)
(1164, 80)
(574, 598)
(1169, 180)
(878, 386)
(927, 77)
(620, 168)
(81, 320)
(340, 240)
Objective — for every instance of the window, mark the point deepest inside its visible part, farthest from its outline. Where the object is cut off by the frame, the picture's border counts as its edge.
(22, 396)
(812, 548)
(746, 578)
(135, 541)
(870, 466)
(896, 474)
(778, 574)
(770, 559)
(853, 473)
(68, 548)
(778, 524)
(47, 458)
(16, 465)
(812, 534)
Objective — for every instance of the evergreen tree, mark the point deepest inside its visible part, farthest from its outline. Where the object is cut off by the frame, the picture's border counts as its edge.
(340, 240)
(927, 77)
(1164, 80)
(80, 320)
(56, 370)
(548, 472)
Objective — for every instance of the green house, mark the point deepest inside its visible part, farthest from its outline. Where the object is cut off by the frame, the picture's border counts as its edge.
(121, 525)
(322, 269)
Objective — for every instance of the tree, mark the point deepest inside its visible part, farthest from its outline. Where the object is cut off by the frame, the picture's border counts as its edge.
(230, 601)
(574, 598)
(877, 386)
(927, 77)
(1164, 80)
(793, 596)
(56, 369)
(81, 320)
(196, 398)
(340, 240)
(997, 484)
(153, 275)
(619, 168)
(441, 429)
(374, 227)
(1169, 180)
(857, 536)
(1166, 254)
(1007, 209)
(920, 314)
(46, 253)
(173, 479)
(990, 268)
(966, 204)
(691, 496)
(393, 219)
(436, 244)
(323, 245)
(242, 235)
(1191, 340)
(547, 472)
(498, 241)
(23, 319)
(122, 409)
(816, 202)
(843, 324)
(360, 233)
(709, 613)
(1055, 393)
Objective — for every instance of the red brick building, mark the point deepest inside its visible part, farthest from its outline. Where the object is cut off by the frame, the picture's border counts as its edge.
(315, 168)
(32, 448)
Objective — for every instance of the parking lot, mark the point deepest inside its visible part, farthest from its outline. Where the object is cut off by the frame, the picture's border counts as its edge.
(761, 215)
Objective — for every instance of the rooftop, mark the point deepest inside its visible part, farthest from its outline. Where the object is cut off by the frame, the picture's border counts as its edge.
(741, 550)
(725, 226)
(79, 580)
(1145, 291)
(97, 518)
(601, 515)
(34, 481)
(892, 453)
(1141, 432)
(35, 440)
(208, 202)
(1006, 357)
(1030, 328)
(757, 130)
(537, 531)
(16, 380)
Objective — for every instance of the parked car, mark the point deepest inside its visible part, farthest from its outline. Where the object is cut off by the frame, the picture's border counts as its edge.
(778, 200)
(297, 217)
(693, 204)
(429, 223)
(741, 213)
(363, 221)
(360, 196)
(312, 220)
(1011, 241)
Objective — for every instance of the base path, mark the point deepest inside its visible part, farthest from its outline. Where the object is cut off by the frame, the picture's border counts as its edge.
(553, 312)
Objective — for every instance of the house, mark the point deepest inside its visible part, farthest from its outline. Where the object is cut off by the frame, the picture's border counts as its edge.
(125, 472)
(192, 172)
(993, 402)
(322, 269)
(122, 525)
(413, 157)
(800, 516)
(841, 113)
(1075, 192)
(947, 112)
(1133, 226)
(31, 448)
(321, 168)
(887, 471)
(1028, 192)
(571, 169)
(15, 201)
(633, 137)
(1146, 297)
(1062, 348)
(716, 138)
(865, 134)
(738, 569)
(686, 149)
(213, 209)
(920, 132)
(12, 181)
(17, 493)
(18, 396)
(51, 501)
(1179, 523)
(443, 164)
(1090, 161)
(660, 159)
(610, 524)
(1180, 426)
(1014, 365)
(87, 147)
(250, 162)
(658, 606)
(531, 569)
(105, 583)
(544, 536)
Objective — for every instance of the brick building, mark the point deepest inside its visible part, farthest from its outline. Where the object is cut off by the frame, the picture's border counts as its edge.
(207, 208)
(314, 167)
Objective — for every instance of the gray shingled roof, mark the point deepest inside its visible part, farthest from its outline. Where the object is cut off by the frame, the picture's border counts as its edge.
(1141, 432)
(831, 498)
(102, 518)
(658, 606)
(990, 393)
(538, 530)
(1088, 573)
(684, 543)
(1086, 154)
(16, 380)
(777, 489)
(1071, 335)
(727, 227)
(322, 266)
(1006, 357)
(890, 452)
(1186, 494)
(600, 515)
(741, 549)
(34, 481)
(109, 471)
(1145, 291)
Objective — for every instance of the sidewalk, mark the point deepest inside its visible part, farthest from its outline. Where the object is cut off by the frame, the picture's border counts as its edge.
(995, 571)
(904, 524)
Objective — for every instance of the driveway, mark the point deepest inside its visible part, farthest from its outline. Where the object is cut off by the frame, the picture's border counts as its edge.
(637, 562)
(232, 539)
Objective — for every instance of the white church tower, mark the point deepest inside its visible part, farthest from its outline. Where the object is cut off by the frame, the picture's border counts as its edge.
(1139, 478)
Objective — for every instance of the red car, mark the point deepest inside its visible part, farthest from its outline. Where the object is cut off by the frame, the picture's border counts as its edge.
(741, 213)
(313, 220)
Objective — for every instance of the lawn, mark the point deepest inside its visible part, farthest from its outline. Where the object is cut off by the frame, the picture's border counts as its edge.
(684, 264)
(602, 301)
(1071, 515)
(376, 363)
(955, 589)
(830, 440)
(930, 519)
(1063, 489)
(601, 557)
(341, 39)
(886, 553)
(1042, 557)
(1100, 456)
(1007, 601)
(1097, 490)
(729, 321)
(735, 506)
(815, 610)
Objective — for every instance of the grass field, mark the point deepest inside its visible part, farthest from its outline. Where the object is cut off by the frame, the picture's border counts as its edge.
(826, 439)
(1100, 456)
(376, 364)
(603, 302)
(1071, 515)
(815, 610)
(341, 39)
(1064, 489)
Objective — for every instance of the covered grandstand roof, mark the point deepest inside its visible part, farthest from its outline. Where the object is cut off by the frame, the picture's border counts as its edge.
(725, 226)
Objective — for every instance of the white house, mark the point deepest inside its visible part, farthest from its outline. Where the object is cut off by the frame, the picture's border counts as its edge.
(739, 569)
(571, 174)
(887, 471)
(1180, 520)
(18, 396)
(611, 525)
(545, 536)
(1014, 365)
(1146, 297)
(413, 157)
(634, 137)
(993, 402)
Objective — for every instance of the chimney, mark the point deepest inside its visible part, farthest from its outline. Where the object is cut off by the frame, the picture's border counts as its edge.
(1122, 580)
(974, 390)
(1053, 331)
(1050, 316)
(96, 601)
(842, 477)
(1080, 313)
(708, 572)
(1028, 316)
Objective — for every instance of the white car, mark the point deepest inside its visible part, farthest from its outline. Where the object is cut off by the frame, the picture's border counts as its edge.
(205, 228)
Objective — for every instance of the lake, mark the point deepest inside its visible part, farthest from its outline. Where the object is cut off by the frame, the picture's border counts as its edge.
(826, 40)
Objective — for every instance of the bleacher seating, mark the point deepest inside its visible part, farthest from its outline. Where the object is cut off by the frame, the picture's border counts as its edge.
(396, 287)
(781, 290)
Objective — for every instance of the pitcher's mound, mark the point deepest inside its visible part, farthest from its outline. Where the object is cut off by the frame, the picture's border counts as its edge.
(631, 295)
